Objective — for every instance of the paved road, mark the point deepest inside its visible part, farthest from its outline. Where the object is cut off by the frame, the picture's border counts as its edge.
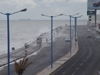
(42, 59)
(87, 59)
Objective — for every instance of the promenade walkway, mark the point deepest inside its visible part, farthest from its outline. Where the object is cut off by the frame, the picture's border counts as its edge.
(33, 47)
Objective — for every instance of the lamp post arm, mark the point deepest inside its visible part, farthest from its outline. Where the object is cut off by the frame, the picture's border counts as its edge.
(2, 13)
(9, 13)
(14, 13)
(18, 11)
(77, 16)
(71, 15)
(45, 15)
(80, 16)
(50, 16)
(58, 15)
(66, 15)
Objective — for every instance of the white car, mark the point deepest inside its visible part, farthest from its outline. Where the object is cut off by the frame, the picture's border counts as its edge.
(88, 36)
(67, 39)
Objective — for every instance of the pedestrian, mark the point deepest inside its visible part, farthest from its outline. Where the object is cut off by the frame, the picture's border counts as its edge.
(47, 40)
(25, 52)
(40, 44)
(25, 45)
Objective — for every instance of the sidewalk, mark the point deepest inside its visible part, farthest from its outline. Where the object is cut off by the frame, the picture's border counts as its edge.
(48, 70)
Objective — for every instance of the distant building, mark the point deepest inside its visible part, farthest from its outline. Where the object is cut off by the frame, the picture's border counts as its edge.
(91, 22)
(93, 18)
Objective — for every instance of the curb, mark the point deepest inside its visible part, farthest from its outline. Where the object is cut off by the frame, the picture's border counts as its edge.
(62, 64)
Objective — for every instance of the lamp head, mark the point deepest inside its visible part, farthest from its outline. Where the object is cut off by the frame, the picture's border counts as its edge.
(80, 16)
(60, 14)
(77, 14)
(23, 10)
(42, 15)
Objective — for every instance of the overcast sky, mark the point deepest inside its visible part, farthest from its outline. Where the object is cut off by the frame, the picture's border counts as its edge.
(48, 7)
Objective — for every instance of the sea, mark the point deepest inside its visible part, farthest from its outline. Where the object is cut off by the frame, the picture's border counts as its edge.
(26, 31)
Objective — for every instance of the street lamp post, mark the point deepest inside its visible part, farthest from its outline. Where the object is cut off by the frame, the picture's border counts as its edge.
(51, 36)
(70, 34)
(70, 28)
(76, 26)
(8, 36)
(75, 29)
(51, 41)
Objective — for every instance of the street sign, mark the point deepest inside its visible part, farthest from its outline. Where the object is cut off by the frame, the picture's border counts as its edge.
(91, 12)
(93, 4)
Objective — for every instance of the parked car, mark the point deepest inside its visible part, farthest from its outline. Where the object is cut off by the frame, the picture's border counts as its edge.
(67, 39)
(97, 4)
(88, 36)
(97, 37)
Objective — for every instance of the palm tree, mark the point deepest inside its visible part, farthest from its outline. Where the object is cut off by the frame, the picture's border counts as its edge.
(22, 65)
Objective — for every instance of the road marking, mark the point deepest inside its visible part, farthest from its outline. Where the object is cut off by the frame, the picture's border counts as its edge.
(81, 64)
(84, 60)
(73, 73)
(87, 57)
(63, 72)
(77, 68)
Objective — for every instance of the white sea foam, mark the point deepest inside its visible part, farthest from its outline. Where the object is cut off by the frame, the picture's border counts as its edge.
(24, 32)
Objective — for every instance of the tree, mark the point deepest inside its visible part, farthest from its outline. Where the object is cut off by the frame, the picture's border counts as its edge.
(22, 65)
